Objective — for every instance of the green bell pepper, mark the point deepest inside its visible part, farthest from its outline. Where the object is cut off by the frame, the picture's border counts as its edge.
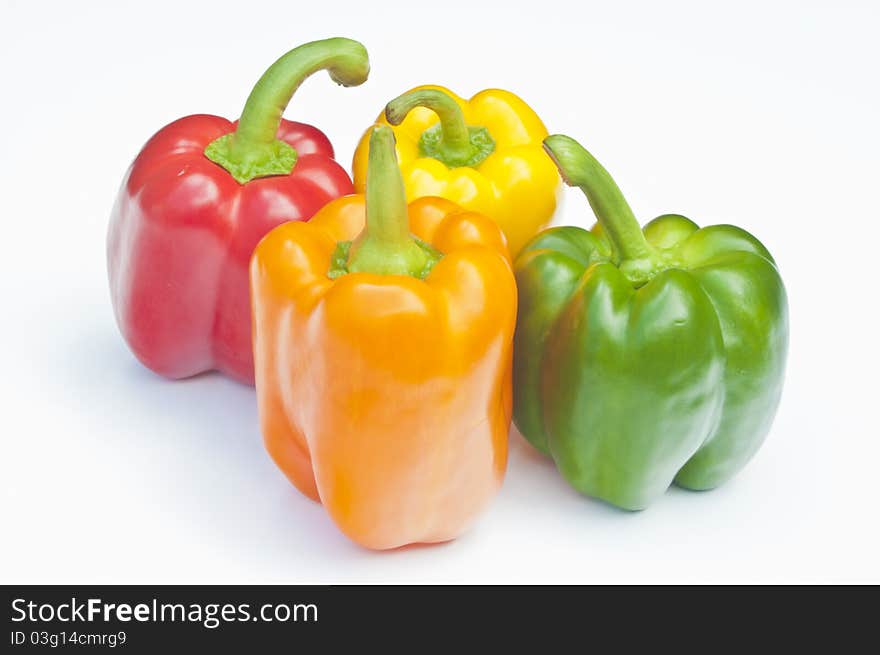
(644, 357)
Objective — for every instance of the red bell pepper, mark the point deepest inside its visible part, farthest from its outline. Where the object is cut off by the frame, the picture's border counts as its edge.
(195, 202)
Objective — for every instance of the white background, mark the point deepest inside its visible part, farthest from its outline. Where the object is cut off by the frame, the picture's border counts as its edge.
(763, 114)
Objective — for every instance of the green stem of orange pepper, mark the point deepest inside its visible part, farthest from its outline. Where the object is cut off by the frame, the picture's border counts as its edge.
(386, 246)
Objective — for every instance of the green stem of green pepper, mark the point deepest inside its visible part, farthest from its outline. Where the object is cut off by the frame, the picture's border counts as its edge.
(253, 150)
(635, 256)
(451, 141)
(386, 246)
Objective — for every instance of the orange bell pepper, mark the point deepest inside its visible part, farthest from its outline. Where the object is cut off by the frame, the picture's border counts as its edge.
(383, 364)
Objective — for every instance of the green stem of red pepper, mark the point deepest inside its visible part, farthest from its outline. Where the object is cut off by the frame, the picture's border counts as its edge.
(451, 141)
(635, 257)
(253, 150)
(386, 246)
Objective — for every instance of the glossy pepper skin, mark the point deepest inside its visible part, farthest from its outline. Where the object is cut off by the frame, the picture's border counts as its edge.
(194, 204)
(384, 366)
(644, 357)
(483, 154)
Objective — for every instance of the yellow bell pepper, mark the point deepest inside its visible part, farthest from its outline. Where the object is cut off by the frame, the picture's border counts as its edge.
(484, 154)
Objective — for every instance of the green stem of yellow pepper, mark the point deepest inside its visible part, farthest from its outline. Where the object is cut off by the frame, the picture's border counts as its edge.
(451, 141)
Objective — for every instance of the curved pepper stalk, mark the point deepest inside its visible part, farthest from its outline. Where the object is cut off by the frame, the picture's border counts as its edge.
(254, 150)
